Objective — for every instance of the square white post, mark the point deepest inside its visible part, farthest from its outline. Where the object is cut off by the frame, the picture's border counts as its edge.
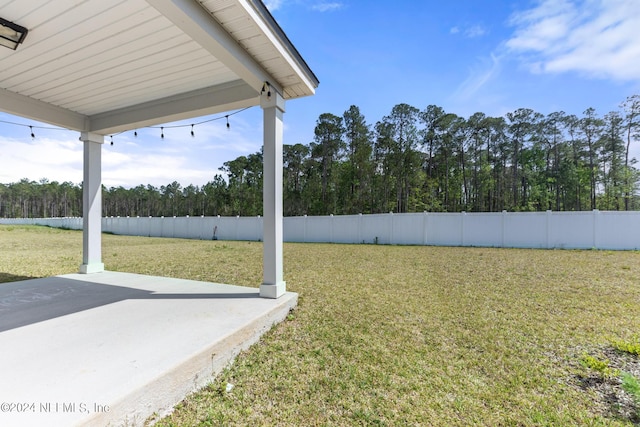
(273, 285)
(92, 204)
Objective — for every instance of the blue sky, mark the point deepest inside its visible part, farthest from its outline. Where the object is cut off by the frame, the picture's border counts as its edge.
(463, 55)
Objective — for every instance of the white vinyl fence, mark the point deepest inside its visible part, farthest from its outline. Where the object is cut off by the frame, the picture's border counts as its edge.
(563, 230)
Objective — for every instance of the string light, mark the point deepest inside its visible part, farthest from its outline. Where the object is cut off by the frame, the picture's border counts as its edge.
(192, 125)
(115, 134)
(266, 87)
(32, 127)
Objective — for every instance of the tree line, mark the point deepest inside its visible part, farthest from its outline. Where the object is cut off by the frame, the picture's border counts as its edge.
(409, 161)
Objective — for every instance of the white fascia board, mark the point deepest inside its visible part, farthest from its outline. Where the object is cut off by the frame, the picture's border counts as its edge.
(23, 106)
(197, 23)
(268, 31)
(201, 102)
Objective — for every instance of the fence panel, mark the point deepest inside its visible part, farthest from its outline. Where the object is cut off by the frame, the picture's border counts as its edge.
(483, 229)
(444, 229)
(525, 230)
(408, 229)
(376, 229)
(345, 229)
(294, 229)
(571, 230)
(617, 230)
(317, 229)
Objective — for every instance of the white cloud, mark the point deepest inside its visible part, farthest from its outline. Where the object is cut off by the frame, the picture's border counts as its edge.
(327, 6)
(469, 32)
(481, 74)
(598, 38)
(42, 157)
(318, 6)
(273, 4)
(177, 157)
(130, 161)
(475, 31)
(159, 169)
(61, 160)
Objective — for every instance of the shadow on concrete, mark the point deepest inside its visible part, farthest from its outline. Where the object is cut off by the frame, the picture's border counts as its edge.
(8, 277)
(31, 301)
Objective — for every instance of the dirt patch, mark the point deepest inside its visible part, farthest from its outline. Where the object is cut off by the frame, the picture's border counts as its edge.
(611, 401)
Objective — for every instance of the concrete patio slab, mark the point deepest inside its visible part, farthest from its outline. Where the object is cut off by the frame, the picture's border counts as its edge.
(114, 348)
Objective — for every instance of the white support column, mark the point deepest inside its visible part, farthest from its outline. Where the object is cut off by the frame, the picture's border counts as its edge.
(273, 285)
(92, 204)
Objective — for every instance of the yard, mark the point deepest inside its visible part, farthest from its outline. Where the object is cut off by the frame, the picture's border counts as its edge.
(397, 335)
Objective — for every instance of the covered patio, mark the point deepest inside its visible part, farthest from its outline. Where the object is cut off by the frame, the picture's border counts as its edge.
(116, 348)
(103, 67)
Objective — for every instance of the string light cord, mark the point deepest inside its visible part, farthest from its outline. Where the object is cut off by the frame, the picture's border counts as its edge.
(191, 125)
(266, 88)
(162, 128)
(32, 126)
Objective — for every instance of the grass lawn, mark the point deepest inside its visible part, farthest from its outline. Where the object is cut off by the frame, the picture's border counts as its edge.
(392, 335)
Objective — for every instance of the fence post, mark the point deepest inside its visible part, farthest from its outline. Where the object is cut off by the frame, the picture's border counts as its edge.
(360, 239)
(214, 229)
(463, 215)
(260, 234)
(331, 228)
(391, 228)
(504, 226)
(596, 229)
(173, 226)
(548, 225)
(304, 232)
(425, 228)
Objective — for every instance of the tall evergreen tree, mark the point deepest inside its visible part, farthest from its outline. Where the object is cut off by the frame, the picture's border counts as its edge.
(631, 125)
(612, 157)
(294, 178)
(404, 159)
(327, 149)
(357, 175)
(591, 129)
(522, 127)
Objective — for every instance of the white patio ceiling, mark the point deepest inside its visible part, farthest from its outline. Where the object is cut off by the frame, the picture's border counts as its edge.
(104, 66)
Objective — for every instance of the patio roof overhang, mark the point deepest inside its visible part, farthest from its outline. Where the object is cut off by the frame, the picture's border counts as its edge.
(106, 66)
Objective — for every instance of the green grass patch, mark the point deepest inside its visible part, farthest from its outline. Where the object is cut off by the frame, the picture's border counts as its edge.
(600, 366)
(631, 385)
(391, 335)
(631, 347)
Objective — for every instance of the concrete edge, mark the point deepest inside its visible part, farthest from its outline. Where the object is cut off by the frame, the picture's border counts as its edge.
(158, 398)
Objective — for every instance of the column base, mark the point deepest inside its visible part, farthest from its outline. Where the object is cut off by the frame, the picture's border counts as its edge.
(273, 291)
(94, 267)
